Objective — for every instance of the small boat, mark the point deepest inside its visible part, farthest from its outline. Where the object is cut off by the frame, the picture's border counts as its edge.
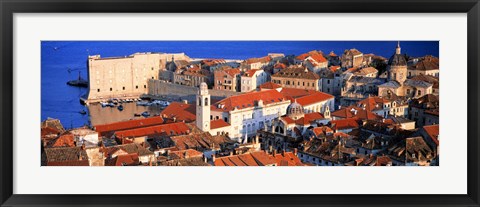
(145, 114)
(111, 105)
(136, 114)
(104, 104)
(120, 108)
(83, 112)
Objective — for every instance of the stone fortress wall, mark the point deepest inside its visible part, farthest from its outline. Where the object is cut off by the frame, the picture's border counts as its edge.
(125, 77)
(162, 88)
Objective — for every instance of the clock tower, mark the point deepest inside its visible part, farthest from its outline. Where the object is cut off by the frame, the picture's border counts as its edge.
(203, 108)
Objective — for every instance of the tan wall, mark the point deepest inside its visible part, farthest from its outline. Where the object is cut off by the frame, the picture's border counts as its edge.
(124, 76)
(294, 83)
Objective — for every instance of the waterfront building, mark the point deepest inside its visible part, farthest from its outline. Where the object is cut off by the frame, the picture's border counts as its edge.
(297, 77)
(122, 77)
(253, 78)
(258, 63)
(352, 58)
(227, 79)
(192, 75)
(313, 61)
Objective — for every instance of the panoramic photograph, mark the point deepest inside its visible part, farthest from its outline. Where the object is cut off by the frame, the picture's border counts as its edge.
(240, 103)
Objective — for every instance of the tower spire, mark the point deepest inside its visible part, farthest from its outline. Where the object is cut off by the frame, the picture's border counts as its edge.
(398, 50)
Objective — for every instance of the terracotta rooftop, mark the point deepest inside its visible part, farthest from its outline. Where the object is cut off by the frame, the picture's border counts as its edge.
(64, 140)
(218, 123)
(349, 123)
(171, 129)
(305, 97)
(182, 154)
(265, 59)
(287, 159)
(315, 55)
(199, 141)
(180, 111)
(130, 124)
(123, 160)
(270, 85)
(433, 131)
(426, 63)
(259, 158)
(306, 120)
(248, 100)
(66, 156)
(251, 72)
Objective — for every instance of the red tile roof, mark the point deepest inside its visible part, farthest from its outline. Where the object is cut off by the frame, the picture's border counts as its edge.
(361, 114)
(305, 97)
(248, 100)
(334, 68)
(250, 72)
(280, 66)
(305, 120)
(182, 154)
(64, 140)
(373, 103)
(349, 123)
(199, 141)
(123, 160)
(317, 56)
(288, 159)
(180, 111)
(256, 60)
(219, 123)
(130, 124)
(433, 131)
(316, 97)
(270, 85)
(323, 130)
(260, 158)
(232, 72)
(45, 131)
(177, 128)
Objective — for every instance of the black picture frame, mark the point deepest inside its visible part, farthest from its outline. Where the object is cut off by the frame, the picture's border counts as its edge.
(10, 7)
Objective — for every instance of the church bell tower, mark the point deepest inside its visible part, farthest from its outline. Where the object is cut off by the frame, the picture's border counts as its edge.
(203, 108)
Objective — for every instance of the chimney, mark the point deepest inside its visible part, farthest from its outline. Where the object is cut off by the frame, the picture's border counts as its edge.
(204, 158)
(295, 151)
(283, 153)
(231, 153)
(213, 157)
(270, 150)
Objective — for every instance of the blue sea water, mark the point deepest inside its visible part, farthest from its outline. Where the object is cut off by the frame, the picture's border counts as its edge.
(62, 61)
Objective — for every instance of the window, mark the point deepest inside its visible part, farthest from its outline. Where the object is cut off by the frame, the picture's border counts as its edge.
(225, 119)
(136, 87)
(123, 87)
(328, 81)
(98, 90)
(206, 101)
(419, 92)
(144, 86)
(111, 89)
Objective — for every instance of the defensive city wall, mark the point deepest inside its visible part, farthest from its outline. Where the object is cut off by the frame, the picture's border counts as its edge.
(162, 88)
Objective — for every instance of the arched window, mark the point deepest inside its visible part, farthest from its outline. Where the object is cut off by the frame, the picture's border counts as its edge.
(199, 101)
(206, 101)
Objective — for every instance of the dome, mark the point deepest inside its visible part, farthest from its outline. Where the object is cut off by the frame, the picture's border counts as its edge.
(295, 110)
(397, 60)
